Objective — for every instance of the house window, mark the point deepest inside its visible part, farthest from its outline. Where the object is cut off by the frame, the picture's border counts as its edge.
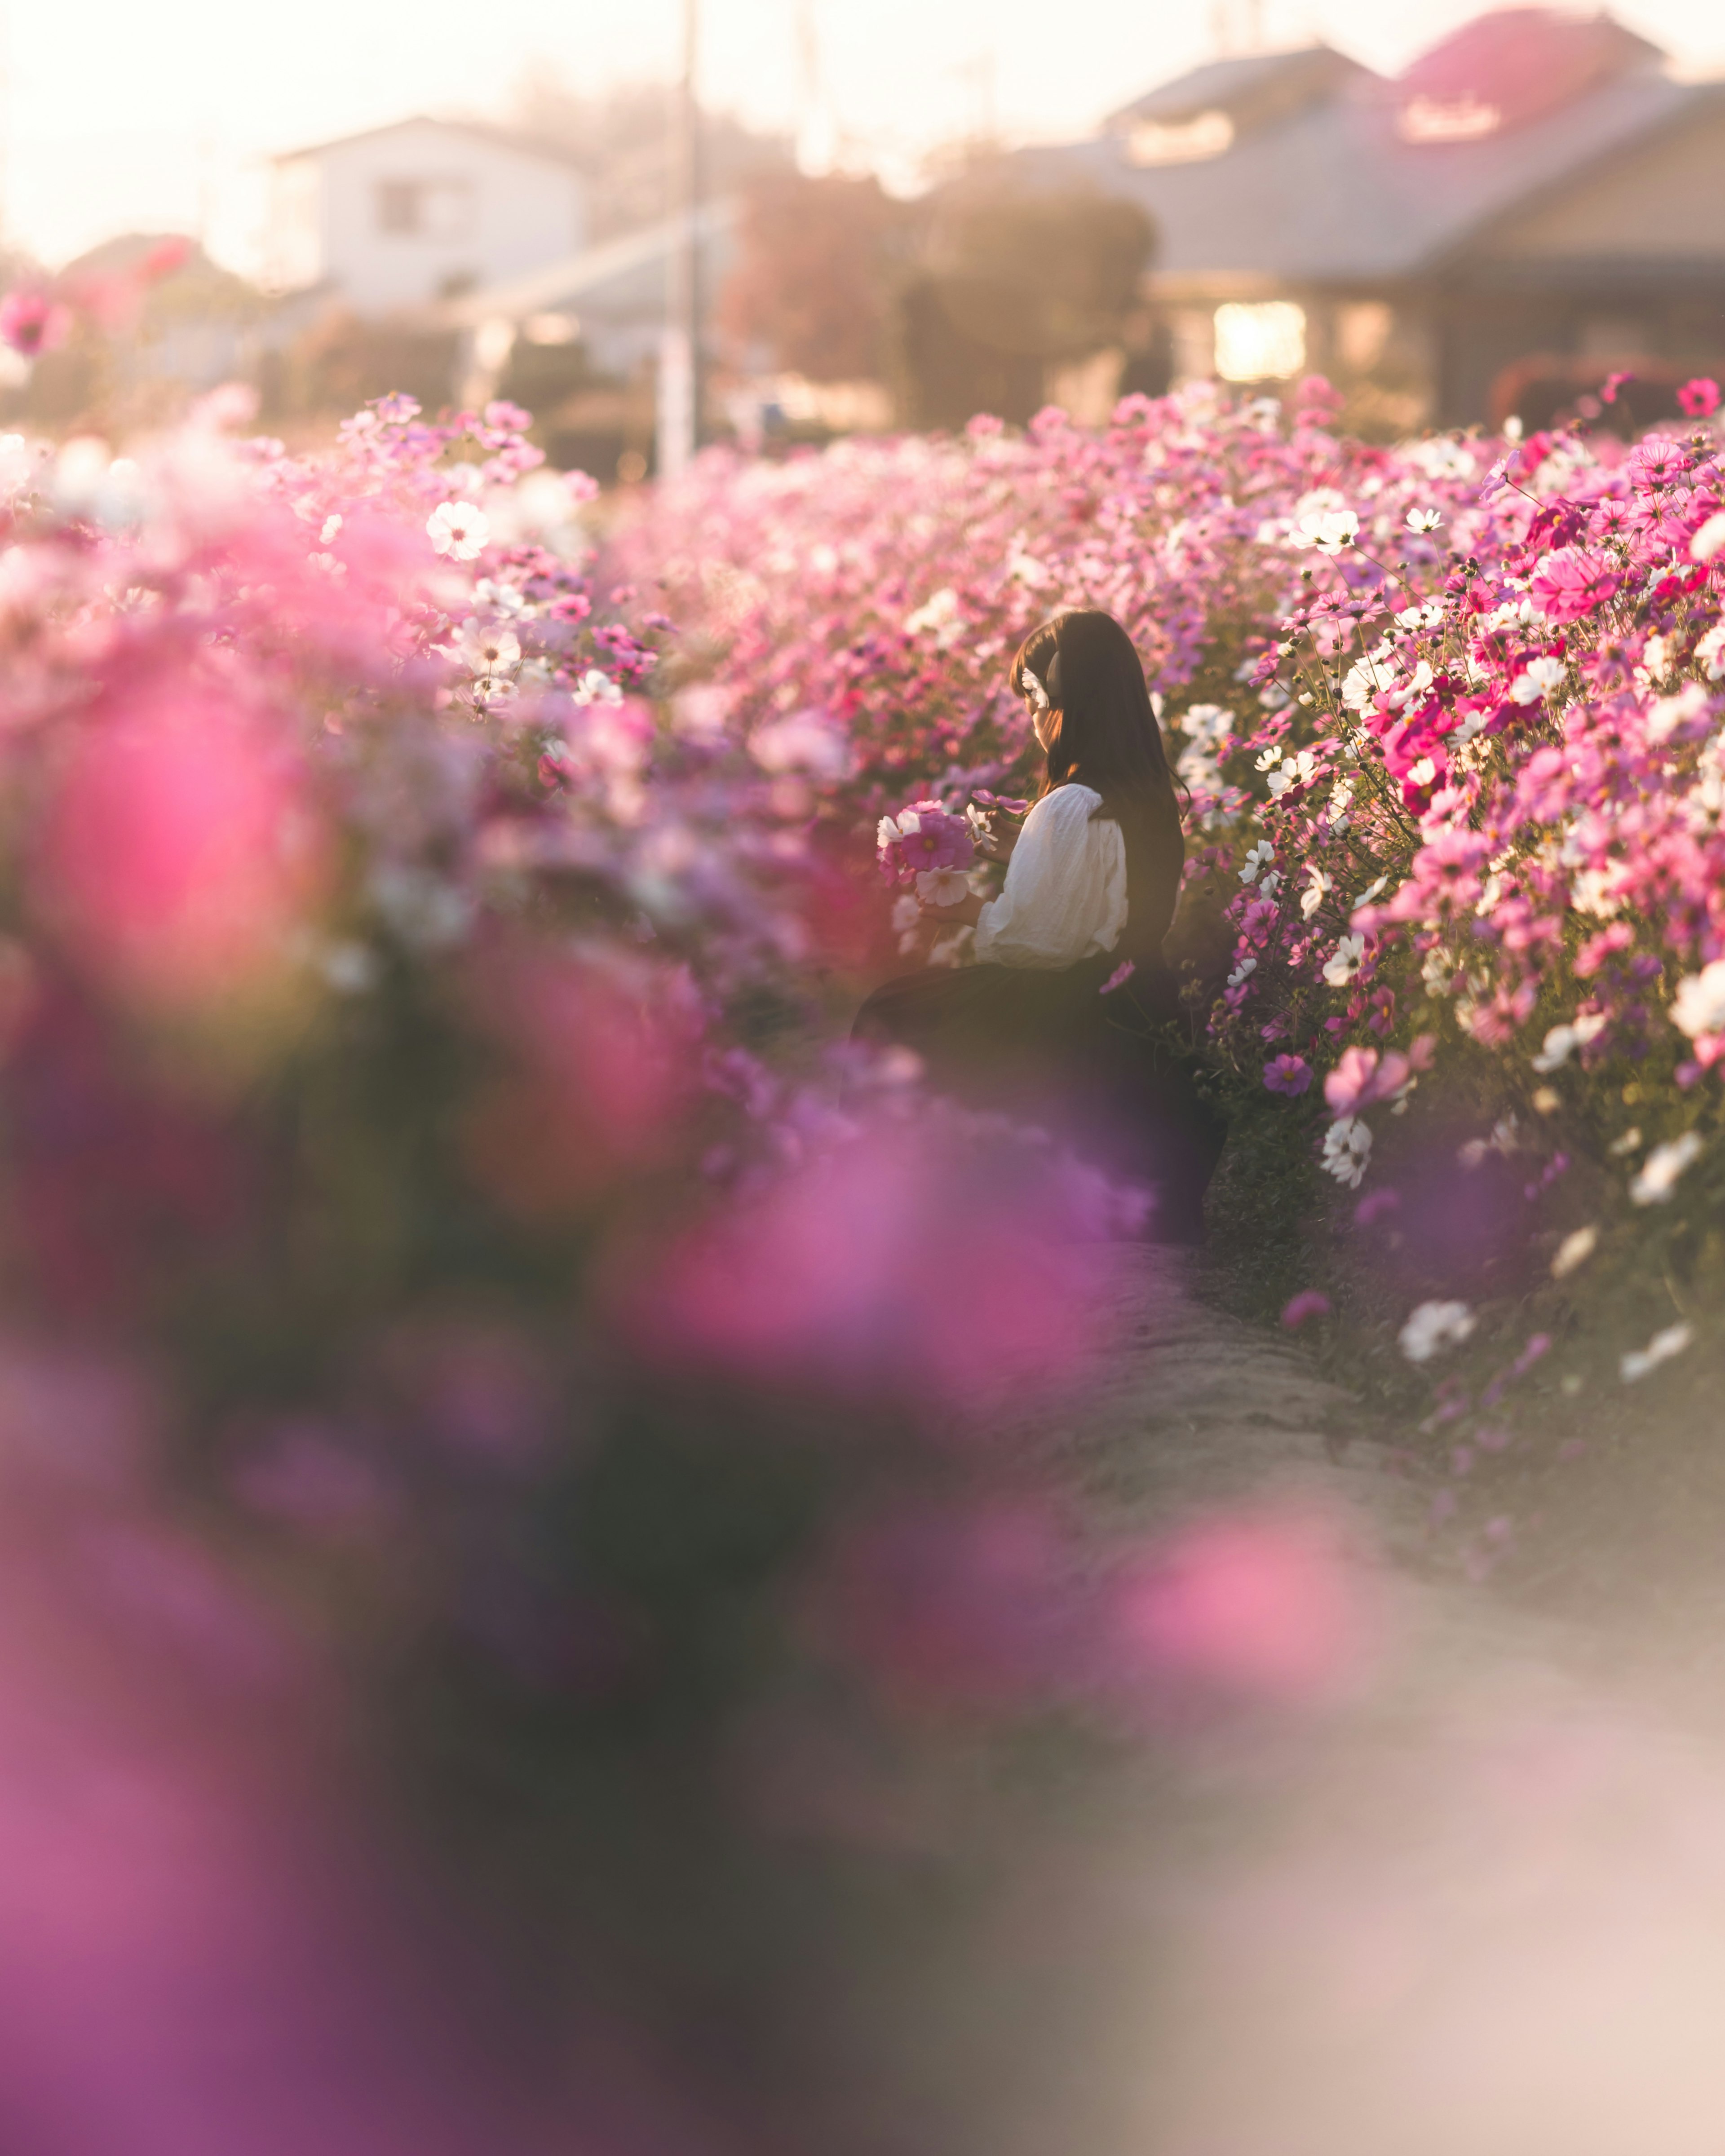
(425, 208)
(1448, 120)
(1181, 143)
(1263, 342)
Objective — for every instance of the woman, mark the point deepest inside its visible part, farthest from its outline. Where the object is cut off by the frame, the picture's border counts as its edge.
(1039, 1025)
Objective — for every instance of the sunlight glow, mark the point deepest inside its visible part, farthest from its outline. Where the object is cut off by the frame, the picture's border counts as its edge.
(1263, 342)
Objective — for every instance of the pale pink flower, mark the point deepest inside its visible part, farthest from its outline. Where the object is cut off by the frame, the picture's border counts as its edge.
(458, 529)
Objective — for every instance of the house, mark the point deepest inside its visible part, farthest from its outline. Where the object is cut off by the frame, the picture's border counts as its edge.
(613, 297)
(1532, 205)
(401, 216)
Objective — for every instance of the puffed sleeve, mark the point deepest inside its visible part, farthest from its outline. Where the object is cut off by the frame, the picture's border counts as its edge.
(1065, 896)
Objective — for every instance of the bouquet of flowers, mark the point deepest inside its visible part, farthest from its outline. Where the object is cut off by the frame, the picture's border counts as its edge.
(927, 846)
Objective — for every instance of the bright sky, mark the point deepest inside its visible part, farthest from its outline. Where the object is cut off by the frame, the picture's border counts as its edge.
(160, 117)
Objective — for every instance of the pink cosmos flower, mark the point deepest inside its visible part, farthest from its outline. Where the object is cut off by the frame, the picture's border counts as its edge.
(1119, 978)
(177, 855)
(1572, 581)
(1363, 1077)
(922, 837)
(1657, 462)
(1699, 398)
(32, 322)
(1261, 1606)
(1287, 1074)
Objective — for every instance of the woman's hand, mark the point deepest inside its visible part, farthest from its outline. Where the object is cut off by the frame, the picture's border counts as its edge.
(965, 914)
(1003, 835)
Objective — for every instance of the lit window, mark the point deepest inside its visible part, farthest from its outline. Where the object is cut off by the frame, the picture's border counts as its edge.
(1261, 343)
(1184, 143)
(1448, 120)
(426, 209)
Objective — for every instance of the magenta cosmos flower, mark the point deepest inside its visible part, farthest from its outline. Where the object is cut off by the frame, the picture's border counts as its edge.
(1287, 1074)
(1699, 398)
(1309, 1302)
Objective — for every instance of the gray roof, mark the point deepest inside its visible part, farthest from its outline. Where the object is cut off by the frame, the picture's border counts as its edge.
(1241, 86)
(523, 144)
(1332, 194)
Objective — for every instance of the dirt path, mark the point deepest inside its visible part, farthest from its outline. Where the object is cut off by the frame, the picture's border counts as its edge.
(1439, 1886)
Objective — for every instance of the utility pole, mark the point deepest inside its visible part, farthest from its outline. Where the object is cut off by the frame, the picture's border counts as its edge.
(679, 416)
(815, 132)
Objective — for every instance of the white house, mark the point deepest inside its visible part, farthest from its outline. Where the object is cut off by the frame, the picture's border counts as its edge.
(404, 215)
(613, 296)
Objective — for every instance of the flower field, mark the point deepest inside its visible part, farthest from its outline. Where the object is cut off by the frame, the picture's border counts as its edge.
(457, 1286)
(1449, 717)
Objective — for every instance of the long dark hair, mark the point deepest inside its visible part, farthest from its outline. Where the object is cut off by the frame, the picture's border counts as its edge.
(1103, 735)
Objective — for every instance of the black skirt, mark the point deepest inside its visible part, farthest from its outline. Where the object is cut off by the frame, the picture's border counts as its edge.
(1105, 1073)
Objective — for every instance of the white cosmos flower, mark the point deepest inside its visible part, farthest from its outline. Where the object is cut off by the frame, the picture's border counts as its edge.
(1296, 771)
(940, 612)
(1562, 1042)
(1595, 891)
(1256, 861)
(1699, 1006)
(1709, 539)
(1416, 685)
(1348, 1148)
(1432, 1326)
(1424, 520)
(1247, 966)
(597, 688)
(1536, 680)
(1574, 1250)
(1211, 724)
(1658, 1175)
(1341, 968)
(942, 886)
(1659, 1349)
(1366, 677)
(1330, 531)
(1315, 893)
(1711, 650)
(488, 651)
(458, 529)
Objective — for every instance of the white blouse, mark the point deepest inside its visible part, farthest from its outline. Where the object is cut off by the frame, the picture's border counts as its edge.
(1065, 896)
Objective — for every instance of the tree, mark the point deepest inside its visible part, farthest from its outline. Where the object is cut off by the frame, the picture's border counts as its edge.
(815, 275)
(1012, 283)
(619, 138)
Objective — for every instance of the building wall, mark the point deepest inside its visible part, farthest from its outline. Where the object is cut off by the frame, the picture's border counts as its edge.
(404, 217)
(1666, 198)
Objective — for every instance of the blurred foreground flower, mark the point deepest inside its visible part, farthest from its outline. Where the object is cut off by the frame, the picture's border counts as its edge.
(179, 851)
